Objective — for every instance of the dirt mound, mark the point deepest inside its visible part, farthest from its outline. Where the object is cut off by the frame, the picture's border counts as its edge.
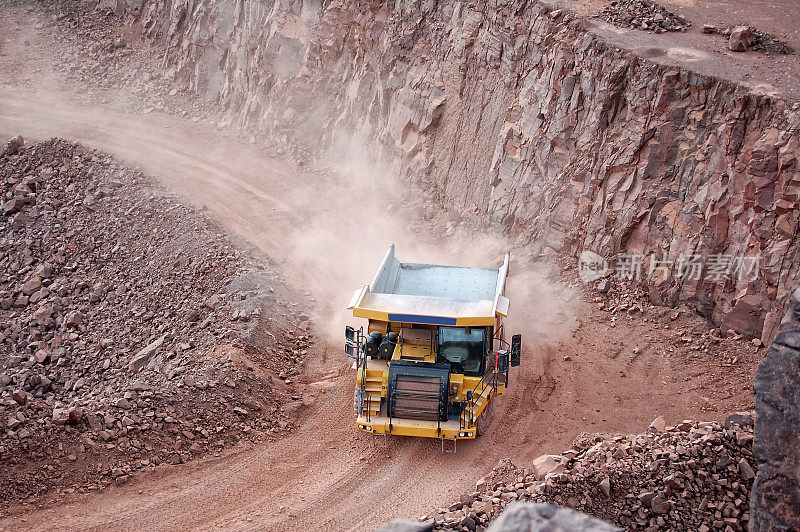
(694, 476)
(644, 15)
(120, 338)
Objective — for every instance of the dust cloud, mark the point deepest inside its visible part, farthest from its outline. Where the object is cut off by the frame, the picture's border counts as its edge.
(329, 229)
(364, 207)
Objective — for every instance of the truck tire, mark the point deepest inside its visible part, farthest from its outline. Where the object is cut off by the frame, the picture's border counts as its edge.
(484, 420)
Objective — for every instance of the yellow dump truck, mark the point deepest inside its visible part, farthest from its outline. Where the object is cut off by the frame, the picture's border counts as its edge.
(433, 355)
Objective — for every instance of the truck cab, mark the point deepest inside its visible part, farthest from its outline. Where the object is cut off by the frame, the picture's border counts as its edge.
(433, 354)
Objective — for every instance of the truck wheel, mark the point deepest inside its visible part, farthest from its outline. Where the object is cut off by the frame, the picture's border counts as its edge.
(356, 402)
(484, 420)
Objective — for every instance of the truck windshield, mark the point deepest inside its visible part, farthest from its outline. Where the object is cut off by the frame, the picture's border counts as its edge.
(463, 348)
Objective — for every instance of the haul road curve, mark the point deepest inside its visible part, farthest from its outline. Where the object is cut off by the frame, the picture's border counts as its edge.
(324, 475)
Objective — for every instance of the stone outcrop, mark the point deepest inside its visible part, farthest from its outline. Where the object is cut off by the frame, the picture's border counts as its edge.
(518, 115)
(405, 525)
(535, 517)
(775, 498)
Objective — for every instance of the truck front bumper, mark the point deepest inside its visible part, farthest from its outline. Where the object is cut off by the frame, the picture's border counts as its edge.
(449, 430)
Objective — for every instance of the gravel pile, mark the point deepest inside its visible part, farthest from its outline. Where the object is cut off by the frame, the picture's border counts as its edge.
(643, 15)
(768, 44)
(122, 314)
(97, 54)
(694, 476)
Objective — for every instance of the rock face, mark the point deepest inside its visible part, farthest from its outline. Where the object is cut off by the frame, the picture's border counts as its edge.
(776, 492)
(525, 119)
(536, 517)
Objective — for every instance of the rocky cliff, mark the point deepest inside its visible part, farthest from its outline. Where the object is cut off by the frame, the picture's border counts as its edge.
(775, 498)
(517, 115)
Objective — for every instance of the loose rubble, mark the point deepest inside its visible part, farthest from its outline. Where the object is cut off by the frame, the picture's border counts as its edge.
(119, 327)
(693, 476)
(644, 15)
(743, 38)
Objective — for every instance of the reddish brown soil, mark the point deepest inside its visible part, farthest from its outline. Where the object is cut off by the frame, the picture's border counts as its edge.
(708, 53)
(324, 475)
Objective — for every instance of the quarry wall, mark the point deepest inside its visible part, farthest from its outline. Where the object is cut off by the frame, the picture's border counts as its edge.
(516, 115)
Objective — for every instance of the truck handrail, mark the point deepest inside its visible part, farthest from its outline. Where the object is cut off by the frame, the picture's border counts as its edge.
(471, 397)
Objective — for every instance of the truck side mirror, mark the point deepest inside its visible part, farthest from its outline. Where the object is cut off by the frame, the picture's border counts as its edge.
(350, 334)
(350, 350)
(502, 361)
(516, 349)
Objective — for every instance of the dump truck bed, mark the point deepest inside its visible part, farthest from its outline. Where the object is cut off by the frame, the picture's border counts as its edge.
(433, 294)
(427, 280)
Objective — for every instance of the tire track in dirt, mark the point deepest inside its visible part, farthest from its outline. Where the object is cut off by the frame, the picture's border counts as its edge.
(317, 472)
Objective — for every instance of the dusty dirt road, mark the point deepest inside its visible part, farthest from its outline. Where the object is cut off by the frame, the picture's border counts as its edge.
(324, 475)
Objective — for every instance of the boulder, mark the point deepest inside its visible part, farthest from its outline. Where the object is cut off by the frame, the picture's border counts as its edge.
(467, 499)
(745, 470)
(658, 424)
(11, 206)
(605, 486)
(741, 39)
(73, 320)
(31, 286)
(20, 397)
(405, 525)
(534, 517)
(19, 221)
(547, 463)
(141, 358)
(469, 523)
(13, 423)
(60, 416)
(775, 496)
(13, 146)
(74, 415)
(483, 507)
(659, 504)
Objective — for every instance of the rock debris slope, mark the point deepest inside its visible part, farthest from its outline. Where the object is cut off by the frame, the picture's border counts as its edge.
(694, 476)
(118, 328)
